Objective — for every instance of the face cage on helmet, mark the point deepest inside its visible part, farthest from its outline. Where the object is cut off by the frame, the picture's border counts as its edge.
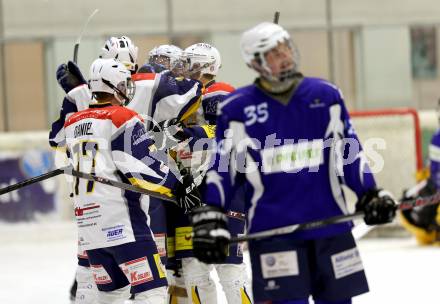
(284, 75)
(162, 60)
(192, 70)
(126, 89)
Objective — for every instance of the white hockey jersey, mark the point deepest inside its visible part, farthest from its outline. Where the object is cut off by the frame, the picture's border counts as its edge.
(111, 142)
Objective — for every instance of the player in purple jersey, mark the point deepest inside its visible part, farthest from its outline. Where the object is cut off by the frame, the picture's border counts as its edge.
(289, 140)
(424, 222)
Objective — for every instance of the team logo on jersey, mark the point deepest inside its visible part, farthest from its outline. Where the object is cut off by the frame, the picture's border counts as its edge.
(317, 103)
(271, 285)
(211, 107)
(270, 260)
(293, 157)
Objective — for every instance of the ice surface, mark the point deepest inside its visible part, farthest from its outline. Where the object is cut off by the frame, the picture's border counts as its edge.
(37, 264)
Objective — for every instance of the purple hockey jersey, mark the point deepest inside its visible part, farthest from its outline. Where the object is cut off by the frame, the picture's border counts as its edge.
(292, 158)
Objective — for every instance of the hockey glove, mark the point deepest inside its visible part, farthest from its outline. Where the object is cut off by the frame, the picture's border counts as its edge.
(425, 217)
(187, 194)
(69, 76)
(378, 205)
(210, 234)
(168, 133)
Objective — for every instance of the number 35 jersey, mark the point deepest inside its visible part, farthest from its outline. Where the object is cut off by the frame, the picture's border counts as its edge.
(111, 142)
(293, 157)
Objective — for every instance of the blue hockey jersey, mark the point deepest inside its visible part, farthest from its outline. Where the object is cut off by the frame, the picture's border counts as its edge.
(290, 157)
(214, 93)
(434, 158)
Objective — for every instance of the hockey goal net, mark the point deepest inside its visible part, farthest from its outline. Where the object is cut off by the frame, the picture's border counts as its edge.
(395, 134)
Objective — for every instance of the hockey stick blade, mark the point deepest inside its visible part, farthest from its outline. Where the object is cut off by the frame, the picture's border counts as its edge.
(78, 41)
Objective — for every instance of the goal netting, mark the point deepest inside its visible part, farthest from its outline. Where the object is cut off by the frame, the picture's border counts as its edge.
(396, 136)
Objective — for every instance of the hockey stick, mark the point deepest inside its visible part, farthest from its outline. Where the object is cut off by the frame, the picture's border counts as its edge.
(120, 185)
(292, 228)
(33, 180)
(78, 41)
(69, 171)
(417, 202)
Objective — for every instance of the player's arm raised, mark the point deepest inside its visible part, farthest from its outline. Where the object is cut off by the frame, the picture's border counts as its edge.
(70, 79)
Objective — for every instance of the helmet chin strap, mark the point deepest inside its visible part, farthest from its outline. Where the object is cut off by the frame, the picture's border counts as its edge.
(122, 101)
(276, 84)
(117, 93)
(281, 84)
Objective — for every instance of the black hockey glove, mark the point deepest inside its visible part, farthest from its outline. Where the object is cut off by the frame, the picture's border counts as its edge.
(378, 205)
(187, 194)
(424, 217)
(210, 234)
(69, 76)
(168, 133)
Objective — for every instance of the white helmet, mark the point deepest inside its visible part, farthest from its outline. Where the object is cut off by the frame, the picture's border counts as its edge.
(206, 56)
(122, 49)
(174, 53)
(262, 38)
(111, 76)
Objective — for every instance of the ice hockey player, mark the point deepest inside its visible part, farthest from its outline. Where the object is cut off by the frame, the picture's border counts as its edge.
(165, 57)
(204, 63)
(424, 222)
(110, 140)
(77, 98)
(282, 137)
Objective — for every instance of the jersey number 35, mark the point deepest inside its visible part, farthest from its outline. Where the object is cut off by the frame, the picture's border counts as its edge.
(256, 113)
